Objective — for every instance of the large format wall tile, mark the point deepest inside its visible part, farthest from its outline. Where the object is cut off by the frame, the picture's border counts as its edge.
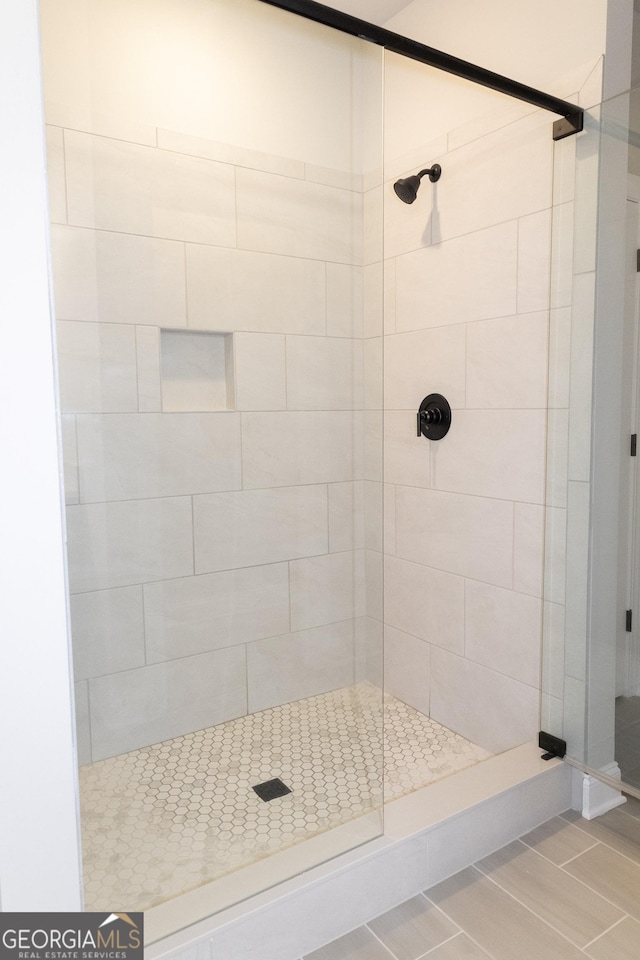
(324, 373)
(409, 685)
(407, 457)
(496, 453)
(489, 180)
(259, 292)
(164, 700)
(469, 278)
(507, 362)
(534, 253)
(422, 362)
(298, 219)
(470, 536)
(486, 707)
(116, 278)
(284, 449)
(345, 300)
(55, 175)
(117, 544)
(297, 665)
(260, 371)
(259, 526)
(425, 603)
(327, 589)
(70, 458)
(195, 614)
(503, 630)
(158, 455)
(113, 185)
(97, 367)
(348, 514)
(107, 628)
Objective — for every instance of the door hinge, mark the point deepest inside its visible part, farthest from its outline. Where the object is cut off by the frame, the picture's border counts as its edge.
(634, 444)
(628, 620)
(554, 746)
(638, 261)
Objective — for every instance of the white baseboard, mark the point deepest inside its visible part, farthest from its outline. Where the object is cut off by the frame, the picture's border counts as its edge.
(591, 797)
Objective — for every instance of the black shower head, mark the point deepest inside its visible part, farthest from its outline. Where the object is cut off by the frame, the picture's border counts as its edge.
(407, 189)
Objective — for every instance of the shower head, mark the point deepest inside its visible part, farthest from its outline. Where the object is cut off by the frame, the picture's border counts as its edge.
(407, 189)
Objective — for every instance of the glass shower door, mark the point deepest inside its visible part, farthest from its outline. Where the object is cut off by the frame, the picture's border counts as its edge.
(217, 280)
(591, 684)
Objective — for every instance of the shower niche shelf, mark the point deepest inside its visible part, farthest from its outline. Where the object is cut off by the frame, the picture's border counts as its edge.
(196, 371)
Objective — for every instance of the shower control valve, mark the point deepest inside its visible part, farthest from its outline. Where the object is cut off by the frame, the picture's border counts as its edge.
(434, 417)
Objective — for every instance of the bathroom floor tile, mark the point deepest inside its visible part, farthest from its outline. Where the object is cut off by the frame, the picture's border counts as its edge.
(167, 818)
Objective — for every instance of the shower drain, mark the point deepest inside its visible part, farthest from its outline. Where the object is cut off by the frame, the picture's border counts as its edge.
(271, 789)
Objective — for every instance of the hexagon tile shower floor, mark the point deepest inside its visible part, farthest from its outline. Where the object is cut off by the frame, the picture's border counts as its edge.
(164, 819)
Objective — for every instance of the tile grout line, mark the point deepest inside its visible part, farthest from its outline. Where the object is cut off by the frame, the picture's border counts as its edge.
(627, 916)
(534, 912)
(462, 930)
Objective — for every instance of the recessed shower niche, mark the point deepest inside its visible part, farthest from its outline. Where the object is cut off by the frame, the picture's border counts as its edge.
(196, 371)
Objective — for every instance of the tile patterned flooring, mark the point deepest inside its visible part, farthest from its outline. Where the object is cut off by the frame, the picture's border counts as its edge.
(167, 818)
(569, 890)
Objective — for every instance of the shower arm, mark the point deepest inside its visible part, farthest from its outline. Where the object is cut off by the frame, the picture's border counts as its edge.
(572, 116)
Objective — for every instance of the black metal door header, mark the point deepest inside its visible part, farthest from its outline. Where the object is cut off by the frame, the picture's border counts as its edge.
(573, 116)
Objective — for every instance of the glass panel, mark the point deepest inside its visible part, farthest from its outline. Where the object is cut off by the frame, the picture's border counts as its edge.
(212, 197)
(591, 687)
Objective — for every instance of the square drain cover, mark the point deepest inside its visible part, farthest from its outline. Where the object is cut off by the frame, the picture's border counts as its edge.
(271, 789)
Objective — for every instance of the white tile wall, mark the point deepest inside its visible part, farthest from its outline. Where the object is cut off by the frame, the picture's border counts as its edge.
(425, 602)
(345, 301)
(534, 256)
(134, 456)
(97, 368)
(490, 709)
(423, 362)
(324, 373)
(507, 362)
(433, 290)
(326, 589)
(285, 449)
(297, 665)
(489, 181)
(347, 519)
(70, 458)
(55, 175)
(83, 722)
(232, 289)
(407, 457)
(113, 185)
(193, 615)
(118, 544)
(149, 377)
(118, 278)
(108, 631)
(259, 526)
(164, 700)
(411, 686)
(470, 536)
(528, 548)
(260, 371)
(503, 631)
(496, 453)
(297, 219)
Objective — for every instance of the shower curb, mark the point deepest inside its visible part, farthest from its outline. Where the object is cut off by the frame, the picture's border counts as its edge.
(429, 835)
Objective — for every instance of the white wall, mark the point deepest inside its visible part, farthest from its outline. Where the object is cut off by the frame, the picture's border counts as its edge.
(39, 853)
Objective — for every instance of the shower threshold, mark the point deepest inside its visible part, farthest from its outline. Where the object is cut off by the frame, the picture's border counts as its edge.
(169, 818)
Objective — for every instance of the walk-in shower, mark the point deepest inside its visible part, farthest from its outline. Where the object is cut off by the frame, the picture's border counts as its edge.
(243, 479)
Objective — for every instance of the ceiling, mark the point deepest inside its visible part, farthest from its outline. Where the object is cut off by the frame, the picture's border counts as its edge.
(375, 11)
